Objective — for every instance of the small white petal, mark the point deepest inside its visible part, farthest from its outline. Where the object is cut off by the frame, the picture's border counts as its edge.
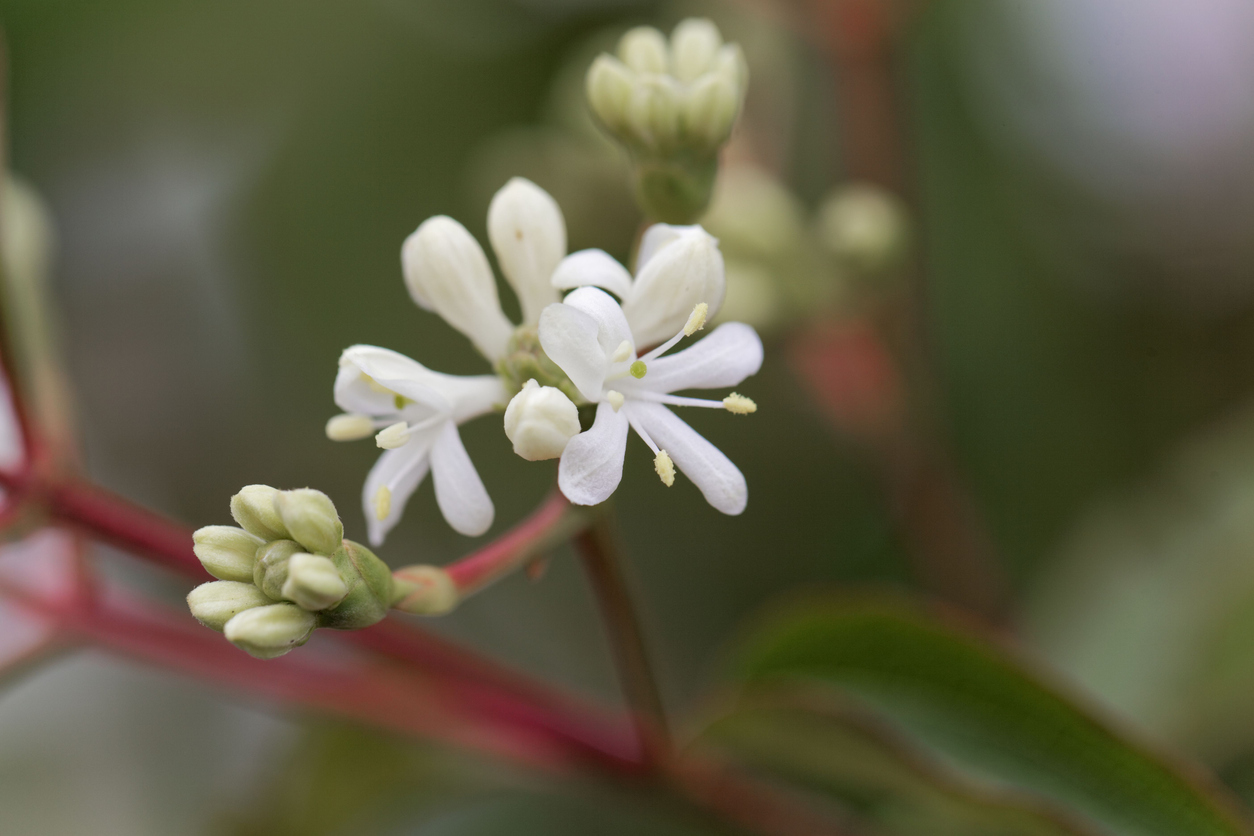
(461, 397)
(569, 337)
(592, 267)
(730, 353)
(459, 491)
(592, 463)
(655, 238)
(681, 274)
(400, 470)
(528, 234)
(612, 327)
(446, 272)
(721, 482)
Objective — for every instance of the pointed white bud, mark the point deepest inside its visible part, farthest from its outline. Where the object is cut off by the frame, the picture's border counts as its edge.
(217, 602)
(270, 631)
(528, 233)
(694, 45)
(425, 590)
(644, 50)
(226, 552)
(609, 85)
(311, 519)
(653, 112)
(681, 274)
(731, 64)
(539, 421)
(396, 435)
(313, 583)
(253, 508)
(710, 110)
(349, 427)
(447, 272)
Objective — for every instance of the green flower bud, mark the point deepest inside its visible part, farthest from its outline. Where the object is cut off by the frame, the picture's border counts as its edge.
(313, 583)
(311, 519)
(711, 109)
(609, 86)
(271, 569)
(644, 50)
(694, 47)
(226, 552)
(525, 360)
(217, 602)
(253, 508)
(270, 631)
(425, 590)
(370, 589)
(653, 113)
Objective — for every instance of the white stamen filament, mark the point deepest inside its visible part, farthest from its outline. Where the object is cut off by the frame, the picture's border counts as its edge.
(696, 321)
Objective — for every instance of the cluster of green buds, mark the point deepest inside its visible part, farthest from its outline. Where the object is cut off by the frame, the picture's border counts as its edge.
(672, 104)
(287, 569)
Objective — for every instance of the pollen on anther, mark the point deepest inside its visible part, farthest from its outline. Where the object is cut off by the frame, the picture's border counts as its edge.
(615, 399)
(665, 468)
(696, 319)
(623, 352)
(739, 404)
(638, 369)
(397, 435)
(382, 503)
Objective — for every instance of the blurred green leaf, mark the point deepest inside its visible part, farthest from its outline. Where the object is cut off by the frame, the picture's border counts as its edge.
(972, 701)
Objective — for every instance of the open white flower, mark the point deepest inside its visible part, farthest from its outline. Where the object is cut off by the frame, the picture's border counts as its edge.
(417, 412)
(678, 267)
(588, 336)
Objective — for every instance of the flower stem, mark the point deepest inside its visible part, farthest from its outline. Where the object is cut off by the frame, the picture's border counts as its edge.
(597, 546)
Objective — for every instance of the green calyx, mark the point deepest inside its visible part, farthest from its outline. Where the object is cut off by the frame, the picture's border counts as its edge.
(677, 189)
(525, 360)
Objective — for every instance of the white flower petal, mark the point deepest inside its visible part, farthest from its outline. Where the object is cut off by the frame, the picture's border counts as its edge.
(528, 233)
(655, 238)
(592, 267)
(461, 397)
(612, 327)
(730, 353)
(401, 471)
(446, 272)
(459, 491)
(721, 482)
(592, 463)
(569, 337)
(684, 272)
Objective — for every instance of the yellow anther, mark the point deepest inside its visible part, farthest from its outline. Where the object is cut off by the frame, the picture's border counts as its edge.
(349, 427)
(615, 399)
(382, 503)
(394, 436)
(638, 369)
(665, 468)
(696, 319)
(623, 352)
(739, 404)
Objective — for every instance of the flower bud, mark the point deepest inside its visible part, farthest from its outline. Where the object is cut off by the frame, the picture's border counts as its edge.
(528, 234)
(609, 85)
(730, 64)
(226, 552)
(425, 590)
(370, 589)
(313, 583)
(644, 50)
(253, 508)
(653, 113)
(539, 421)
(270, 570)
(350, 427)
(215, 603)
(694, 46)
(680, 275)
(710, 110)
(864, 226)
(310, 518)
(270, 631)
(525, 360)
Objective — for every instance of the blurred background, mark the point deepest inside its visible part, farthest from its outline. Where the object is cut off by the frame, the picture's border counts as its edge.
(230, 183)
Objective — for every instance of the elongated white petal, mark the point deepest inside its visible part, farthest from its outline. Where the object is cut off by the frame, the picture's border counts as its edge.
(461, 397)
(730, 353)
(612, 327)
(721, 482)
(401, 471)
(592, 267)
(569, 337)
(592, 463)
(354, 394)
(459, 491)
(655, 238)
(684, 272)
(447, 272)
(528, 233)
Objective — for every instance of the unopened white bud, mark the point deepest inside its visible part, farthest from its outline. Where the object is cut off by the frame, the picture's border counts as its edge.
(682, 273)
(730, 63)
(349, 427)
(270, 631)
(425, 590)
(540, 420)
(311, 519)
(396, 435)
(644, 50)
(217, 602)
(653, 112)
(609, 85)
(313, 583)
(528, 234)
(710, 110)
(694, 45)
(253, 508)
(226, 552)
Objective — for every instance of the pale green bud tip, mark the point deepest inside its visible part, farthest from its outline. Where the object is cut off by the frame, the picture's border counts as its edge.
(253, 508)
(609, 86)
(270, 570)
(313, 583)
(349, 427)
(226, 552)
(644, 50)
(270, 631)
(217, 602)
(539, 421)
(311, 518)
(425, 590)
(694, 47)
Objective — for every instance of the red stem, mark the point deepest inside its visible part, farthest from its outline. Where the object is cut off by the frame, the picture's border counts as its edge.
(511, 550)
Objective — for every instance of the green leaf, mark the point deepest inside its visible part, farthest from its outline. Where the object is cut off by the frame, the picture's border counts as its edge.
(972, 701)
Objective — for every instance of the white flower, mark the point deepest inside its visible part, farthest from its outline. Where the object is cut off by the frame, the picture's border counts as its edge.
(678, 268)
(539, 421)
(417, 412)
(588, 336)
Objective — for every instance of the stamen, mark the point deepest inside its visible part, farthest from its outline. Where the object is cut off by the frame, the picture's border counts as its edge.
(665, 468)
(615, 399)
(382, 503)
(394, 436)
(638, 369)
(623, 352)
(349, 427)
(676, 400)
(696, 320)
(739, 404)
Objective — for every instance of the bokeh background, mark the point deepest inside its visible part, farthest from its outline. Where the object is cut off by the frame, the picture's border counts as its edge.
(230, 183)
